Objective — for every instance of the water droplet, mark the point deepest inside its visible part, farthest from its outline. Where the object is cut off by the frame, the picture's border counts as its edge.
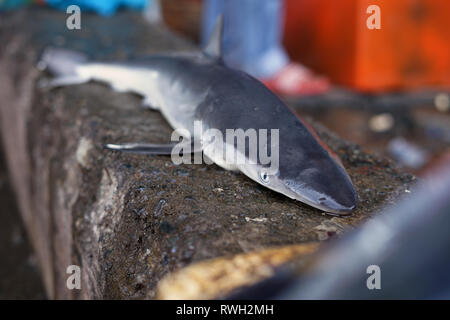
(159, 206)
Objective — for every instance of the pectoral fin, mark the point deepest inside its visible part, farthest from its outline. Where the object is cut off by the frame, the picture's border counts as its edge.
(142, 148)
(151, 148)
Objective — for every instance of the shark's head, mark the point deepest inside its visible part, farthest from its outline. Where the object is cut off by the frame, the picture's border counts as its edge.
(323, 185)
(311, 175)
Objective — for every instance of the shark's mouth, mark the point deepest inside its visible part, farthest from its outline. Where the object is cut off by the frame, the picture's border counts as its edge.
(323, 202)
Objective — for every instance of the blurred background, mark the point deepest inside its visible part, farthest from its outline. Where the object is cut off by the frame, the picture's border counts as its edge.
(385, 88)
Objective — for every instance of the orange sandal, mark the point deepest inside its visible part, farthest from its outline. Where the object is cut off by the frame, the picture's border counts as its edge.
(296, 80)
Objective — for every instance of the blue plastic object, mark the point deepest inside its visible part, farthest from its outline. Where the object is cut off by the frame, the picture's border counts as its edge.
(103, 7)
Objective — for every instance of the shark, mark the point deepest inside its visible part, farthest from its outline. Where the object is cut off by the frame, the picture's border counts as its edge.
(198, 86)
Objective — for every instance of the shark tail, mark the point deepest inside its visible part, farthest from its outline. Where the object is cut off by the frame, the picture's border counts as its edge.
(63, 64)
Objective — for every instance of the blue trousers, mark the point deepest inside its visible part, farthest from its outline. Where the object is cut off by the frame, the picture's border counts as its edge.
(252, 39)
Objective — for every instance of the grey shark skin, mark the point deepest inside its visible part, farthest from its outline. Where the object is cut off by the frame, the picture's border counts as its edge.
(199, 86)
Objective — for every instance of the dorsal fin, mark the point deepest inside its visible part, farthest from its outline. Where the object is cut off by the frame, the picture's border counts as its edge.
(213, 48)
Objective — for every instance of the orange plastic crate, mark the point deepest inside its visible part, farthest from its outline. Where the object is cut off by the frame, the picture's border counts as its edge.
(411, 50)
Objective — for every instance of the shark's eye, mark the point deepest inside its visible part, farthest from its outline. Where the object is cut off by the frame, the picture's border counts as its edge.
(264, 176)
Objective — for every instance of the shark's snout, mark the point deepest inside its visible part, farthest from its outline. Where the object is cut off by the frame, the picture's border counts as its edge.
(341, 202)
(327, 188)
(340, 207)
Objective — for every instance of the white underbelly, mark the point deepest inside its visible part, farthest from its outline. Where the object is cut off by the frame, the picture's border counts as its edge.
(169, 97)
